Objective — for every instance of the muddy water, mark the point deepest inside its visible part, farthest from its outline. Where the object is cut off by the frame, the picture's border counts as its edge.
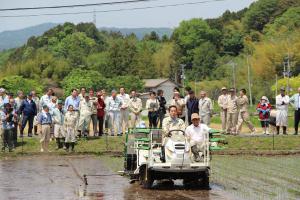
(61, 178)
(232, 177)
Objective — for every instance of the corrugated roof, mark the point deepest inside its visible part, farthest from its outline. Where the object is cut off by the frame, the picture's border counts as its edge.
(151, 83)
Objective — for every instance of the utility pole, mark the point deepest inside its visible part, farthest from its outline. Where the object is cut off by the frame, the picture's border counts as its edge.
(233, 74)
(249, 82)
(289, 71)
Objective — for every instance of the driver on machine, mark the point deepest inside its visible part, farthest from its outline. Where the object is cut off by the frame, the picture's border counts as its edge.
(170, 123)
(196, 134)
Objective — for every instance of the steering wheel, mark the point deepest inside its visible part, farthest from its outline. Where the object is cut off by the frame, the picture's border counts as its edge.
(176, 130)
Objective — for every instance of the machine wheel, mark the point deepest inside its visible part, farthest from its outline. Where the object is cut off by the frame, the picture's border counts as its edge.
(205, 180)
(146, 179)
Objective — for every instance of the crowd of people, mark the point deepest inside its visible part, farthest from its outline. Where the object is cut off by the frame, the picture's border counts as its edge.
(65, 121)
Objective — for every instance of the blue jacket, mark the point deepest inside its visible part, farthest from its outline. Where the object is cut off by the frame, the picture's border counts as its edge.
(28, 109)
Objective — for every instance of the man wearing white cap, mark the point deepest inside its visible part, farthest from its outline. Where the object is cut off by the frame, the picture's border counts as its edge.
(197, 135)
(205, 108)
(222, 102)
(232, 112)
(282, 105)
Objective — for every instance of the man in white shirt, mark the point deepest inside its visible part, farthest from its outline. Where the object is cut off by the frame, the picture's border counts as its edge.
(198, 136)
(114, 106)
(282, 105)
(46, 99)
(124, 109)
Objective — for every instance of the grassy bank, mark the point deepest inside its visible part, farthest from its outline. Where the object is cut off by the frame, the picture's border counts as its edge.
(115, 145)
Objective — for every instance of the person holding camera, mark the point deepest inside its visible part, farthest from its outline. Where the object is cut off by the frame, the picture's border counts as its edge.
(8, 118)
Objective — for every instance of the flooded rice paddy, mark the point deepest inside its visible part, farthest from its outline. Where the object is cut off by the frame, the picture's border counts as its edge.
(233, 177)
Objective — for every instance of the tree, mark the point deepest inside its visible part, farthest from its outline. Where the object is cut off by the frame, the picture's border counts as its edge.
(83, 78)
(259, 14)
(204, 61)
(14, 83)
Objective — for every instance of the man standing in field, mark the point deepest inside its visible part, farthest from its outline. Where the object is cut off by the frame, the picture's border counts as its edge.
(94, 118)
(192, 105)
(114, 108)
(46, 99)
(295, 101)
(232, 112)
(205, 108)
(58, 120)
(243, 104)
(28, 111)
(282, 104)
(222, 102)
(85, 109)
(135, 106)
(124, 109)
(45, 122)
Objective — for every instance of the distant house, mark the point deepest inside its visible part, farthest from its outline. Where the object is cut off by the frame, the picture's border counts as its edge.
(159, 84)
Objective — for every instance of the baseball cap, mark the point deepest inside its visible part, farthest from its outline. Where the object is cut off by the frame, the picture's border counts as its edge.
(195, 116)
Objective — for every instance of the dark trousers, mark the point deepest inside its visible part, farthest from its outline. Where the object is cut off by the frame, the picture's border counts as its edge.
(8, 138)
(152, 116)
(26, 119)
(297, 119)
(100, 123)
(161, 116)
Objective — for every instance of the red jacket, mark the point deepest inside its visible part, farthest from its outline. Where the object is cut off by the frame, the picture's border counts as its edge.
(264, 111)
(100, 108)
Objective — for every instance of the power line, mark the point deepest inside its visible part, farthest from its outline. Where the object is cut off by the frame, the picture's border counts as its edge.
(112, 10)
(76, 5)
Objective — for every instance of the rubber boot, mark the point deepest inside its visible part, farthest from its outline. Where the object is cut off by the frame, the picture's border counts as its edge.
(57, 143)
(72, 146)
(63, 143)
(284, 130)
(277, 129)
(67, 146)
(35, 130)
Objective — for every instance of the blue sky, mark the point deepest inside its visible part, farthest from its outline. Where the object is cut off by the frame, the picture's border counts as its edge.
(157, 17)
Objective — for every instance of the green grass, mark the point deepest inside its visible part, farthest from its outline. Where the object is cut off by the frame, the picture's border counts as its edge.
(115, 145)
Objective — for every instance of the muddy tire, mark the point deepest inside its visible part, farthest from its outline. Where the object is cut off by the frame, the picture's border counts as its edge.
(146, 180)
(205, 180)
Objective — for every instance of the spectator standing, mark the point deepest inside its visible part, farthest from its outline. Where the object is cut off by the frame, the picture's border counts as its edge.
(264, 109)
(45, 122)
(180, 105)
(152, 106)
(94, 118)
(205, 108)
(28, 111)
(58, 121)
(243, 104)
(186, 98)
(70, 121)
(8, 119)
(46, 98)
(82, 93)
(295, 101)
(114, 109)
(74, 101)
(36, 100)
(232, 112)
(100, 112)
(135, 107)
(85, 110)
(282, 104)
(124, 109)
(222, 102)
(15, 112)
(192, 105)
(106, 112)
(162, 106)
